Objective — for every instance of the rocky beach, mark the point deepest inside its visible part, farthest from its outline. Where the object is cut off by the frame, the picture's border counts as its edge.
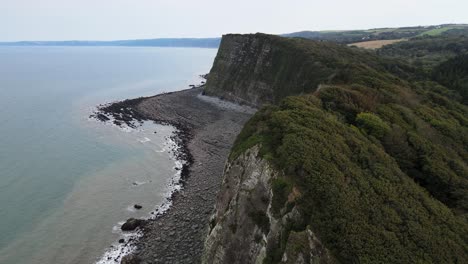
(207, 128)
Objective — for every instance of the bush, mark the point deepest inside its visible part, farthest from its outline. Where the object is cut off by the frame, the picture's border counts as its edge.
(372, 124)
(281, 188)
(356, 198)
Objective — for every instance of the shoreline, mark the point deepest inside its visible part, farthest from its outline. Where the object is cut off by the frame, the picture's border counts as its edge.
(170, 235)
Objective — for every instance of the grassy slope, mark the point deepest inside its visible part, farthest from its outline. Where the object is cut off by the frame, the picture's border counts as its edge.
(428, 51)
(441, 29)
(352, 36)
(379, 155)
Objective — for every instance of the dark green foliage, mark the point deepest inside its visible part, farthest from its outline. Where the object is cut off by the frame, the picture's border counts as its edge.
(297, 244)
(379, 157)
(275, 251)
(454, 74)
(372, 124)
(363, 207)
(428, 51)
(281, 188)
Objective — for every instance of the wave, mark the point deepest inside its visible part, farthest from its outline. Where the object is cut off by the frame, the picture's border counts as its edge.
(117, 251)
(144, 140)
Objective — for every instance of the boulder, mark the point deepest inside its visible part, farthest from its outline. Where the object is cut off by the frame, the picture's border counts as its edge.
(137, 206)
(130, 259)
(102, 117)
(132, 224)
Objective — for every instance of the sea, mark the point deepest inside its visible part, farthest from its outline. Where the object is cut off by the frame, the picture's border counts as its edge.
(68, 181)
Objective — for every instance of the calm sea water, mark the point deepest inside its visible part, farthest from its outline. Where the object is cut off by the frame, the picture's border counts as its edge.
(67, 181)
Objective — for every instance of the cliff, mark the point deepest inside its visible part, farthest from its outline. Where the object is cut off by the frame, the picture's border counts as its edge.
(367, 162)
(246, 229)
(257, 69)
(260, 69)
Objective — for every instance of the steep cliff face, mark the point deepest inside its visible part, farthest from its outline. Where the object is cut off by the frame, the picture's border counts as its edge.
(366, 163)
(257, 69)
(246, 228)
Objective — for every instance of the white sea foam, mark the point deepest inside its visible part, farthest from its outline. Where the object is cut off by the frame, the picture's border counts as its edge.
(136, 126)
(131, 208)
(160, 150)
(137, 183)
(144, 140)
(118, 250)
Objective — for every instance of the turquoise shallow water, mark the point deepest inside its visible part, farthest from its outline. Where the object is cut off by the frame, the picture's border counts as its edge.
(66, 181)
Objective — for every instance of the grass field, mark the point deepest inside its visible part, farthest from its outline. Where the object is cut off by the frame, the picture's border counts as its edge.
(375, 44)
(442, 29)
(437, 31)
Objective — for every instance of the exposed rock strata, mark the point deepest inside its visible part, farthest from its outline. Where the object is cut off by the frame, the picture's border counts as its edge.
(244, 228)
(258, 69)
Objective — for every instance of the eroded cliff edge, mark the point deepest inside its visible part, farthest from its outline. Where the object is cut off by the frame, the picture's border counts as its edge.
(365, 161)
(245, 224)
(256, 69)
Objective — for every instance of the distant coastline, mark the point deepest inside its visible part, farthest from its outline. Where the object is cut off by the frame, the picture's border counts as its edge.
(159, 42)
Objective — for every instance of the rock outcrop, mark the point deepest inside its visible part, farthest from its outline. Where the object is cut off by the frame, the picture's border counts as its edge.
(258, 69)
(244, 229)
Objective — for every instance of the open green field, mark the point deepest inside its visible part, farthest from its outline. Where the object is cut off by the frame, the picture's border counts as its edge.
(440, 30)
(353, 36)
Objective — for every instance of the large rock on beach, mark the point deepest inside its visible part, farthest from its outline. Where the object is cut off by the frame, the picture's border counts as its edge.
(130, 259)
(132, 224)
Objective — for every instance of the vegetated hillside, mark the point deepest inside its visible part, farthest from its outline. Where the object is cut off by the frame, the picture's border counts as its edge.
(367, 165)
(258, 68)
(428, 51)
(453, 73)
(441, 57)
(351, 36)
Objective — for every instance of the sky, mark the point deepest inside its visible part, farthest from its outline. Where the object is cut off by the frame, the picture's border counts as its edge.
(141, 19)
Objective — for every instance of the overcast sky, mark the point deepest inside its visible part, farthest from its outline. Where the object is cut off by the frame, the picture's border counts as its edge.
(133, 19)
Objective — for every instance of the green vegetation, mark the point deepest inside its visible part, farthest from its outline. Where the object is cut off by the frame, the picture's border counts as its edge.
(298, 243)
(281, 188)
(454, 74)
(351, 36)
(297, 66)
(379, 153)
(372, 124)
(438, 30)
(435, 32)
(428, 51)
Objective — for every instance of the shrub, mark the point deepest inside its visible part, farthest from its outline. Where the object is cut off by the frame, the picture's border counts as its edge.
(372, 124)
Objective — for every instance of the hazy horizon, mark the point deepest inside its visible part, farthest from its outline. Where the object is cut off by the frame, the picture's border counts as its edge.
(214, 37)
(56, 20)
